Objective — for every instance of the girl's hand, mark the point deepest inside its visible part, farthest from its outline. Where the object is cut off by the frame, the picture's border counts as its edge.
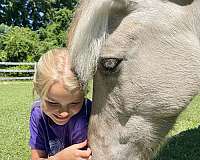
(74, 152)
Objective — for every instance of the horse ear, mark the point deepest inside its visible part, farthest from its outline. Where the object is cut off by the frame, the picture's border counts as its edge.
(180, 2)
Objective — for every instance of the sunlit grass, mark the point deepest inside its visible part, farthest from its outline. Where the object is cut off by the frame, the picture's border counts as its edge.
(190, 118)
(183, 141)
(15, 101)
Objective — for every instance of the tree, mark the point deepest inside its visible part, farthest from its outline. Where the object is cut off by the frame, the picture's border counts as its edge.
(14, 13)
(54, 35)
(32, 13)
(4, 29)
(25, 44)
(69, 4)
(19, 45)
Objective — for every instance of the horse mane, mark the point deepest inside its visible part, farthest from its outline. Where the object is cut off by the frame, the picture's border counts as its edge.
(87, 34)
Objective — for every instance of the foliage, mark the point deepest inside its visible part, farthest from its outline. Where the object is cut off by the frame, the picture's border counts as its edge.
(4, 29)
(22, 44)
(19, 45)
(29, 28)
(31, 13)
(3, 55)
(55, 33)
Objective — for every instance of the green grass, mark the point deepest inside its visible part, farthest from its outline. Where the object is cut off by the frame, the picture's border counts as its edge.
(16, 98)
(183, 142)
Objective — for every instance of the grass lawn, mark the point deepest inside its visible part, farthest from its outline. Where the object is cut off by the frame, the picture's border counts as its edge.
(16, 98)
(183, 142)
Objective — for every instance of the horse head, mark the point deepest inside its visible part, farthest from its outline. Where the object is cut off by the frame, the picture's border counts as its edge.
(144, 58)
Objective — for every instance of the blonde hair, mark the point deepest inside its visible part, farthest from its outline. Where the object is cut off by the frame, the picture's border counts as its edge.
(54, 66)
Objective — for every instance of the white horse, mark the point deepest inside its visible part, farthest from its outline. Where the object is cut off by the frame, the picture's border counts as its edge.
(144, 56)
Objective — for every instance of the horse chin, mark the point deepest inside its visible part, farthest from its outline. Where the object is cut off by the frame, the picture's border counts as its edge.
(118, 152)
(112, 141)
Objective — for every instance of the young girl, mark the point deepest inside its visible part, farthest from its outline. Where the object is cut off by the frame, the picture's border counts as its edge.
(59, 119)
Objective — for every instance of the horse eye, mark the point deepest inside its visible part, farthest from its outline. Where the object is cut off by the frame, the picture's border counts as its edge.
(110, 64)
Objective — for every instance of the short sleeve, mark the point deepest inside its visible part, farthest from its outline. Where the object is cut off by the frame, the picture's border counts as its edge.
(37, 137)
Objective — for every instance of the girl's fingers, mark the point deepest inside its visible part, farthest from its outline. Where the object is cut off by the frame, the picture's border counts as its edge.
(79, 145)
(85, 153)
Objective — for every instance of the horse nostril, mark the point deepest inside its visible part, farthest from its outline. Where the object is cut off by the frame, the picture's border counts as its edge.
(110, 64)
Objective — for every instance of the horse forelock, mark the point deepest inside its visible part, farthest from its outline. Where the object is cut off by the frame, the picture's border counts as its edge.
(88, 37)
(88, 34)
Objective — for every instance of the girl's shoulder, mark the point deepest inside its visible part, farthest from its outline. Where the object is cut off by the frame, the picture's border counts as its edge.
(36, 109)
(87, 105)
(88, 102)
(36, 103)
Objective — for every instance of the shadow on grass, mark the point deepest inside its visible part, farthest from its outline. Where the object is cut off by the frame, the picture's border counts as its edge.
(184, 146)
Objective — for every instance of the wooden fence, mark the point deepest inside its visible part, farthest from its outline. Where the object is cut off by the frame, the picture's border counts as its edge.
(7, 70)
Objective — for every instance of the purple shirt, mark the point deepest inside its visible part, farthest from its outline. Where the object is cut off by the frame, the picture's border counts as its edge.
(47, 136)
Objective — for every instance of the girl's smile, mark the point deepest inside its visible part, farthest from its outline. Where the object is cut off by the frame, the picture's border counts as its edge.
(61, 104)
(61, 117)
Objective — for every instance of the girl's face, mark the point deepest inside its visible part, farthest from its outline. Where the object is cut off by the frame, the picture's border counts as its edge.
(60, 105)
